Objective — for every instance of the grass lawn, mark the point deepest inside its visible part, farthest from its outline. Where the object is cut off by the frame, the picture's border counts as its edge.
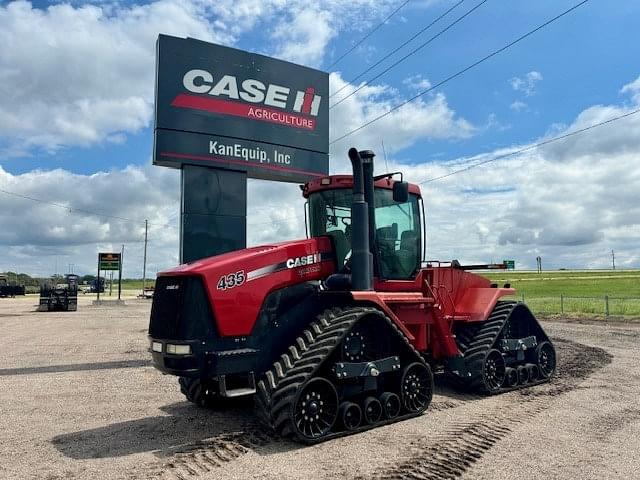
(542, 291)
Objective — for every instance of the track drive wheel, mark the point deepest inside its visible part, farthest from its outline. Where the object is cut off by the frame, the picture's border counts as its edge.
(494, 371)
(546, 356)
(416, 387)
(315, 409)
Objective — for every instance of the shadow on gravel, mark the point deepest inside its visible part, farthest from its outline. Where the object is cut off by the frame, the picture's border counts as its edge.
(185, 429)
(75, 367)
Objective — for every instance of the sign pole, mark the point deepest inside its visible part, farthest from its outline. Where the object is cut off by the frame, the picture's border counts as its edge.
(98, 285)
(144, 261)
(120, 273)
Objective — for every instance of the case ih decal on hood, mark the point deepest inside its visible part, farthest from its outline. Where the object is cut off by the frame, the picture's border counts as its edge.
(249, 98)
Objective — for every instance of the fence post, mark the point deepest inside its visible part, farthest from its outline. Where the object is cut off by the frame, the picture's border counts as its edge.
(606, 305)
(561, 303)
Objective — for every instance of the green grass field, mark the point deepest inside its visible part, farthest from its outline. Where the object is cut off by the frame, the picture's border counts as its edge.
(542, 291)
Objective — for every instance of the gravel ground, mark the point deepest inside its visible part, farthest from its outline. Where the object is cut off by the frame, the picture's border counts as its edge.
(79, 399)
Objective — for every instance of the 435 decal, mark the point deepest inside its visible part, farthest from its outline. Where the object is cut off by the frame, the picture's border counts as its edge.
(231, 280)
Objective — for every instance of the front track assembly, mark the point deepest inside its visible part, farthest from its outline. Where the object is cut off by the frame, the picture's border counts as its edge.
(510, 350)
(350, 370)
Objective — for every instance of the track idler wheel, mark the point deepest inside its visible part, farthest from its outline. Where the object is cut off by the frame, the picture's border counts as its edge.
(546, 356)
(494, 370)
(534, 372)
(511, 377)
(350, 415)
(372, 410)
(390, 404)
(316, 408)
(203, 393)
(416, 387)
(523, 374)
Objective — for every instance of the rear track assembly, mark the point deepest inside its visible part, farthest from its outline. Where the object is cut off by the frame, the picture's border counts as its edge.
(508, 351)
(312, 393)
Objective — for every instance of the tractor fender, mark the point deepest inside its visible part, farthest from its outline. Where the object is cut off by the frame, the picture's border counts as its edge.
(477, 303)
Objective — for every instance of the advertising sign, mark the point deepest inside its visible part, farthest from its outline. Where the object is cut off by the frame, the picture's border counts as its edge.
(109, 261)
(227, 108)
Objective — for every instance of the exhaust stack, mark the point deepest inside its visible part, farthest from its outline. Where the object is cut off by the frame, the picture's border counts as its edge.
(361, 257)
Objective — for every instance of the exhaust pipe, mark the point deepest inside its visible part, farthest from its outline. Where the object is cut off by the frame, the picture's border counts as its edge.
(361, 257)
(367, 175)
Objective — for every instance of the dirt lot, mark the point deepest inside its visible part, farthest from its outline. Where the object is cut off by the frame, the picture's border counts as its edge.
(79, 399)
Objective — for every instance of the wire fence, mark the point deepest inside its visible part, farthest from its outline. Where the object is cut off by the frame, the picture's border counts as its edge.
(606, 305)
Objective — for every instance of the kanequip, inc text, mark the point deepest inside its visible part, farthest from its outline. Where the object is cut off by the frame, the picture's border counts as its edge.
(256, 154)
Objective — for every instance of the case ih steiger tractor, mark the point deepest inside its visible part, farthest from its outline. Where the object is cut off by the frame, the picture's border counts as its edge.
(340, 332)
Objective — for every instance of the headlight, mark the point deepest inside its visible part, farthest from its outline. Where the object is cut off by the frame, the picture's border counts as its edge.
(178, 349)
(156, 347)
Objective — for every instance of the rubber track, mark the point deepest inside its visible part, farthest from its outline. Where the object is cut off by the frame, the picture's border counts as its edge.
(475, 341)
(277, 390)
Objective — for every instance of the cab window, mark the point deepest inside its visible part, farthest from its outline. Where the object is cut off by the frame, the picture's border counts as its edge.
(397, 236)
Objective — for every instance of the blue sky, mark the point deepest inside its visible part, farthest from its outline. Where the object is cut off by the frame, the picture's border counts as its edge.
(584, 58)
(77, 97)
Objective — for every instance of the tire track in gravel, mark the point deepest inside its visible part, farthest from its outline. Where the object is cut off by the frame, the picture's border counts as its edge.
(196, 459)
(446, 455)
(199, 458)
(452, 453)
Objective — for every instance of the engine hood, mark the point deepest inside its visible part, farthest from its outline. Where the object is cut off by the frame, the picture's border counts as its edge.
(238, 282)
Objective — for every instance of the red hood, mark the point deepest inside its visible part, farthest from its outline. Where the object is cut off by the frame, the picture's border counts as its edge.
(238, 282)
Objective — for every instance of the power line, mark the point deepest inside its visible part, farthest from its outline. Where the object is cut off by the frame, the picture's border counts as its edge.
(412, 52)
(417, 34)
(532, 147)
(368, 35)
(70, 209)
(81, 210)
(460, 72)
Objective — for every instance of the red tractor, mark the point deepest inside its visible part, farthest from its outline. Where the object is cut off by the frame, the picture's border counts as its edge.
(341, 332)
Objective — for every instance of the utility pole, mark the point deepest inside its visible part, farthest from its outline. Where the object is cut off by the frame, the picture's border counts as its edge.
(144, 260)
(120, 272)
(613, 259)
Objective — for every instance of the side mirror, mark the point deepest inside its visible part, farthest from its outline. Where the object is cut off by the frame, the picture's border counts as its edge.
(400, 192)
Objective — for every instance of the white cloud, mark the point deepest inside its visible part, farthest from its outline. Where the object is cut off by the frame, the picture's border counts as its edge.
(526, 84)
(303, 30)
(518, 106)
(417, 82)
(81, 75)
(427, 118)
(36, 235)
(304, 38)
(632, 88)
(77, 76)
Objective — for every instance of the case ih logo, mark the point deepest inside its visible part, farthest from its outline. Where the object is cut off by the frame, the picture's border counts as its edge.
(250, 99)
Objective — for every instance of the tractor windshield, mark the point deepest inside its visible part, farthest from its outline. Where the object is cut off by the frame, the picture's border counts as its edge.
(398, 235)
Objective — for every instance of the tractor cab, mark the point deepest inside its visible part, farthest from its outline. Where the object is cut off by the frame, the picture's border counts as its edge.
(397, 224)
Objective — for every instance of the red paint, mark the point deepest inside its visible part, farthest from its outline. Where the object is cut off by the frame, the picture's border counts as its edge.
(346, 181)
(236, 309)
(238, 109)
(308, 99)
(425, 308)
